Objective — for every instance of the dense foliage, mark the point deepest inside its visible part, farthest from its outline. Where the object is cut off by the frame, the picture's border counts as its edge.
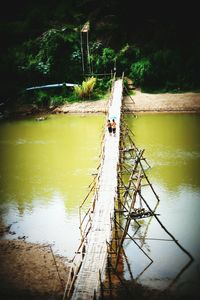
(40, 44)
(85, 90)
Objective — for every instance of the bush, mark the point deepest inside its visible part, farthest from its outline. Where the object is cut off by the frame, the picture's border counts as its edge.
(57, 100)
(102, 59)
(46, 98)
(103, 84)
(42, 98)
(140, 71)
(85, 90)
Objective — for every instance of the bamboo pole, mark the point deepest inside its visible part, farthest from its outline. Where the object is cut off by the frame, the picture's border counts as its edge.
(179, 275)
(126, 193)
(70, 276)
(123, 282)
(129, 94)
(144, 270)
(128, 265)
(72, 282)
(137, 189)
(101, 286)
(147, 227)
(87, 196)
(149, 181)
(135, 243)
(155, 239)
(134, 168)
(109, 277)
(80, 221)
(88, 53)
(128, 220)
(82, 54)
(61, 282)
(146, 162)
(165, 229)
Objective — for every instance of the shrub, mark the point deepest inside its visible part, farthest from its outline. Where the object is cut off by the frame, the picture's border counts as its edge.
(140, 70)
(57, 100)
(85, 90)
(42, 98)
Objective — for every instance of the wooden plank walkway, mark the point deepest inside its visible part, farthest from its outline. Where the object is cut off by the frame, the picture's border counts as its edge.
(95, 259)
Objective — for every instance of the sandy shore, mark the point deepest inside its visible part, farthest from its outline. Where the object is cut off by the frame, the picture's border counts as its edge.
(30, 271)
(140, 102)
(182, 102)
(136, 103)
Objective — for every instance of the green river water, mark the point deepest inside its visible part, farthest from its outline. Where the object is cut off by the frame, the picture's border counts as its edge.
(46, 168)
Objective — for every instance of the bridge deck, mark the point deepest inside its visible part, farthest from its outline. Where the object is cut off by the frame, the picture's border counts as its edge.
(96, 248)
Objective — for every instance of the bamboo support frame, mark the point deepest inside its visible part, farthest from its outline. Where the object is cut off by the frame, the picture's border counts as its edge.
(167, 231)
(149, 182)
(124, 229)
(129, 94)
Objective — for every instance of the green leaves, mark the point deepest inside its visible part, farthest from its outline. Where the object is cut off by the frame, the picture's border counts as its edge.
(85, 90)
(140, 70)
(102, 59)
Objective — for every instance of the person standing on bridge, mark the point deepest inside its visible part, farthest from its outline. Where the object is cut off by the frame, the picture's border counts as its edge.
(109, 125)
(114, 127)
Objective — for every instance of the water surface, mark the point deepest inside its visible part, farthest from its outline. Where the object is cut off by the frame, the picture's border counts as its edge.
(172, 148)
(46, 168)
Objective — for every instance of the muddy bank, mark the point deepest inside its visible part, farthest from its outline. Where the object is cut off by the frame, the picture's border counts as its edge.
(31, 271)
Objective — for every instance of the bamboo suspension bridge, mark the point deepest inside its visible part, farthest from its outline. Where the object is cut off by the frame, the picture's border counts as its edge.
(102, 232)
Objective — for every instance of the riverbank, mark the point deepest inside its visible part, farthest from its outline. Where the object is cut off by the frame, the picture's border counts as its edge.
(167, 102)
(31, 271)
(137, 103)
(140, 102)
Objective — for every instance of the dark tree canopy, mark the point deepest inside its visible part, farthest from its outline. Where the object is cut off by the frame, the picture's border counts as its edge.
(157, 43)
